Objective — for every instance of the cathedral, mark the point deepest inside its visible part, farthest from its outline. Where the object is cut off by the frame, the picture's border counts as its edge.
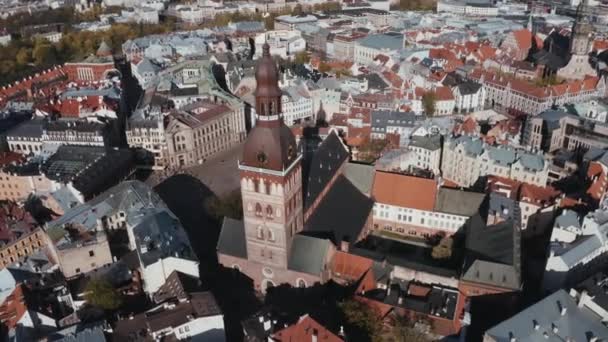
(298, 207)
(566, 57)
(580, 42)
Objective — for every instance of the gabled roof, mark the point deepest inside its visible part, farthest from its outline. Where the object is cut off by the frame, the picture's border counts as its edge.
(458, 202)
(337, 221)
(232, 238)
(306, 329)
(555, 318)
(361, 176)
(308, 254)
(404, 191)
(325, 162)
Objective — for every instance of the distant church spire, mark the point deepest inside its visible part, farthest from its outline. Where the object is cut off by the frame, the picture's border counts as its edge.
(530, 25)
(581, 30)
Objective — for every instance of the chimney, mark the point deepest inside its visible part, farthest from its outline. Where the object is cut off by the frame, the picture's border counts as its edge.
(581, 299)
(345, 244)
(562, 309)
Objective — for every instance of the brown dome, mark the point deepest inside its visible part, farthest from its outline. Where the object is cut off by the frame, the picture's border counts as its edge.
(267, 75)
(270, 145)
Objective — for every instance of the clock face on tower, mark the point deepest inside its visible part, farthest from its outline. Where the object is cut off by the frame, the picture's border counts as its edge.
(262, 158)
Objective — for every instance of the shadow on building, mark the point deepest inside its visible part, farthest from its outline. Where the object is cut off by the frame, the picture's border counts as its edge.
(187, 196)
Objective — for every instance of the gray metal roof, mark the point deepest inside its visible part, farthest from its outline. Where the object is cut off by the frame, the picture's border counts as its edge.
(568, 218)
(160, 235)
(361, 175)
(534, 162)
(232, 238)
(383, 118)
(501, 155)
(28, 129)
(472, 146)
(544, 321)
(581, 248)
(458, 202)
(308, 254)
(430, 142)
(392, 41)
(92, 332)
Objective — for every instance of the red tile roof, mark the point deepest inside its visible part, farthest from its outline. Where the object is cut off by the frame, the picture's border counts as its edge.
(10, 157)
(378, 307)
(523, 38)
(350, 266)
(404, 191)
(600, 45)
(589, 83)
(304, 330)
(443, 94)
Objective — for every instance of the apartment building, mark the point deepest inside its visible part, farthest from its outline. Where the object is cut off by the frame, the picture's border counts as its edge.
(201, 130)
(414, 206)
(522, 96)
(465, 159)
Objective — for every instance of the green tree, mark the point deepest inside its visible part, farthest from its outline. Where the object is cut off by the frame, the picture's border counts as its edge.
(44, 54)
(230, 205)
(24, 56)
(444, 249)
(402, 329)
(362, 319)
(429, 100)
(302, 57)
(102, 294)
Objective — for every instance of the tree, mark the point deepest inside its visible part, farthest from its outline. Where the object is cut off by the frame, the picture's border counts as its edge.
(429, 100)
(362, 320)
(297, 10)
(24, 56)
(302, 57)
(44, 54)
(231, 205)
(444, 249)
(324, 67)
(102, 294)
(403, 329)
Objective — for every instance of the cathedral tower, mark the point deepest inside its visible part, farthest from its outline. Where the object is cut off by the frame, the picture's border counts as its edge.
(271, 175)
(581, 30)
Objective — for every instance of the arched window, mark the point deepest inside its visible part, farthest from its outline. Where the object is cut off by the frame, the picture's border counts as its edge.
(300, 282)
(269, 212)
(271, 235)
(262, 108)
(258, 209)
(270, 108)
(260, 233)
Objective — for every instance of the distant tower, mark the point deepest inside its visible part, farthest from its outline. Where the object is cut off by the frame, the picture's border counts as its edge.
(271, 177)
(530, 25)
(581, 30)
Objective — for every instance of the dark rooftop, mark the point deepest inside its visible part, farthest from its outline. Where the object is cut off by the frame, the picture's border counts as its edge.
(336, 220)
